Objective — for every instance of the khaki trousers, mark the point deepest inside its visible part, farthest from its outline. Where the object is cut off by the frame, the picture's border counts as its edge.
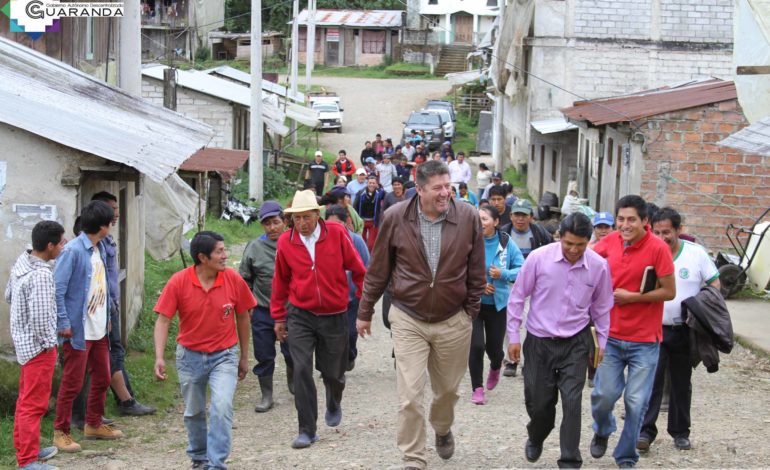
(436, 349)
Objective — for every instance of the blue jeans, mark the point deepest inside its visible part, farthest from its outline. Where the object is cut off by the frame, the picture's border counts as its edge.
(609, 383)
(218, 370)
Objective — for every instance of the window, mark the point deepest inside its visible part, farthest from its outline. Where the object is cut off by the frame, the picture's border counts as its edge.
(554, 162)
(610, 151)
(90, 38)
(532, 154)
(373, 42)
(432, 2)
(491, 3)
(302, 43)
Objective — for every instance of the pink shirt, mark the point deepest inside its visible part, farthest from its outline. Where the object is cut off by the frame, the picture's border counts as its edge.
(563, 296)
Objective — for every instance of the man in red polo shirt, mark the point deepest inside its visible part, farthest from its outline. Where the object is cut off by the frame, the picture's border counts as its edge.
(635, 328)
(213, 302)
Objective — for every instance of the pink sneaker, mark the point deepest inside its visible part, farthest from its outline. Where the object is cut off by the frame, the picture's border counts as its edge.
(478, 396)
(493, 378)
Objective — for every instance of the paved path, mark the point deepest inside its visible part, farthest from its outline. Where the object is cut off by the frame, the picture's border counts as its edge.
(751, 321)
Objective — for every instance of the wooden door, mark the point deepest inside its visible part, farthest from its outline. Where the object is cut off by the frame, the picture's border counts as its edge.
(332, 47)
(350, 46)
(464, 29)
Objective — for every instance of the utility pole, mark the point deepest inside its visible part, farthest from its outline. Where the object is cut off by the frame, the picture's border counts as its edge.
(310, 44)
(497, 136)
(294, 64)
(256, 165)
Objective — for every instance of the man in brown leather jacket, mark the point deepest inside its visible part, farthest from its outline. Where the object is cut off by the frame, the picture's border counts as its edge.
(430, 255)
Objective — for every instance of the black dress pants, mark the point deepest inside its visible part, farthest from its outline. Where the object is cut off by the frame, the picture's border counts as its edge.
(326, 337)
(674, 360)
(553, 367)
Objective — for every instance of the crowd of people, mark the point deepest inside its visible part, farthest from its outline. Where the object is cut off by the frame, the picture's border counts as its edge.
(456, 271)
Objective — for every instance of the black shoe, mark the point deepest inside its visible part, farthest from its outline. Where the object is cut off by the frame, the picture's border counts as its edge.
(133, 408)
(598, 446)
(643, 444)
(626, 465)
(510, 369)
(198, 464)
(532, 451)
(445, 445)
(351, 365)
(682, 443)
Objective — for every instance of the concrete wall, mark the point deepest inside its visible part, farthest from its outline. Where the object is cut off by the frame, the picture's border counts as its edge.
(541, 153)
(682, 145)
(205, 108)
(603, 48)
(25, 155)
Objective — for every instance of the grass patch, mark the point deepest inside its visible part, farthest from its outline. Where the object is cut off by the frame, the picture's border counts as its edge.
(466, 129)
(519, 182)
(374, 71)
(403, 69)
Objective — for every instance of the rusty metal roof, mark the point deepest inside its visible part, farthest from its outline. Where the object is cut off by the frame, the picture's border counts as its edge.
(651, 102)
(226, 162)
(355, 18)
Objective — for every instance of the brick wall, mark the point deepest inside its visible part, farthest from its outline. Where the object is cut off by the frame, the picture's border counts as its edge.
(683, 145)
(704, 20)
(613, 18)
(204, 108)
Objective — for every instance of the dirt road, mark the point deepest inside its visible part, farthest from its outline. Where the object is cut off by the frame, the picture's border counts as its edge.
(375, 106)
(730, 408)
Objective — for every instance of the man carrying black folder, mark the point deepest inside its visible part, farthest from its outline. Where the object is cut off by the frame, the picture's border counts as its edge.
(635, 327)
(568, 286)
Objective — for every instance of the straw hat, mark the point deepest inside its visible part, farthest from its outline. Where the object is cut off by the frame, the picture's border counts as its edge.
(303, 201)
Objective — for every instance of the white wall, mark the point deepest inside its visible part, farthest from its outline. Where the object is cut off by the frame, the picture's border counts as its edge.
(36, 169)
(205, 108)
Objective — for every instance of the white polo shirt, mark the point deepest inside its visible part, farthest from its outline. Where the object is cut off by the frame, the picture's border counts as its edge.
(692, 269)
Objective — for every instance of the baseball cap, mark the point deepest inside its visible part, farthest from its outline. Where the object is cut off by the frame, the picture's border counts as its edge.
(319, 153)
(361, 171)
(370, 160)
(497, 174)
(269, 209)
(604, 218)
(521, 206)
(386, 155)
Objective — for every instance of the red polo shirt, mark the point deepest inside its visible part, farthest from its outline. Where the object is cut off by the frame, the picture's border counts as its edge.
(206, 318)
(639, 322)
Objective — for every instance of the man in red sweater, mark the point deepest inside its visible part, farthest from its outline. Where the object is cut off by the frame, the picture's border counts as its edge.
(310, 265)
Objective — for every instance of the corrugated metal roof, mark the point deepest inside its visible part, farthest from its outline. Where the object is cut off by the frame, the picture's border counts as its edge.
(224, 161)
(53, 100)
(245, 78)
(552, 125)
(753, 139)
(651, 102)
(272, 114)
(354, 18)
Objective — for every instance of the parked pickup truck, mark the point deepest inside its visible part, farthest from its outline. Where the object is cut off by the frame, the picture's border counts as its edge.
(329, 111)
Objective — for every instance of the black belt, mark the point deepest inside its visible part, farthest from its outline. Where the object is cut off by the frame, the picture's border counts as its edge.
(680, 326)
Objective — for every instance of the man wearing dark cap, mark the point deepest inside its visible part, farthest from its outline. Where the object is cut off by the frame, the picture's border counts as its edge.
(318, 173)
(497, 180)
(257, 267)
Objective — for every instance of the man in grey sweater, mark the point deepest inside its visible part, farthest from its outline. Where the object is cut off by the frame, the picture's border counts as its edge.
(257, 267)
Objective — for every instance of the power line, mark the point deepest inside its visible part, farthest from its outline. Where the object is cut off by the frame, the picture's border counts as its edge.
(519, 69)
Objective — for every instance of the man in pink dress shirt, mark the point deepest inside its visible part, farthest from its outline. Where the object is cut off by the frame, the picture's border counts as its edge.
(568, 286)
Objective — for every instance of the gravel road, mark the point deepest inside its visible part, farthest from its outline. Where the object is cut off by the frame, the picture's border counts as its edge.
(730, 408)
(375, 106)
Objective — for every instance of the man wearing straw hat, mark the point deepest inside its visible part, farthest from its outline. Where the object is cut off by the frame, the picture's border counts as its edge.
(310, 266)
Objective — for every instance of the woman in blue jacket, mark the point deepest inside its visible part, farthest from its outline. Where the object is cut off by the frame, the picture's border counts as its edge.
(503, 261)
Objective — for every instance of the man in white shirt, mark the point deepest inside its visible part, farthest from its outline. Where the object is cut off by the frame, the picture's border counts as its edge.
(693, 269)
(387, 171)
(359, 183)
(459, 171)
(408, 150)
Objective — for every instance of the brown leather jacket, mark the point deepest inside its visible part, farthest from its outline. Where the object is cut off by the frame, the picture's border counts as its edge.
(399, 262)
